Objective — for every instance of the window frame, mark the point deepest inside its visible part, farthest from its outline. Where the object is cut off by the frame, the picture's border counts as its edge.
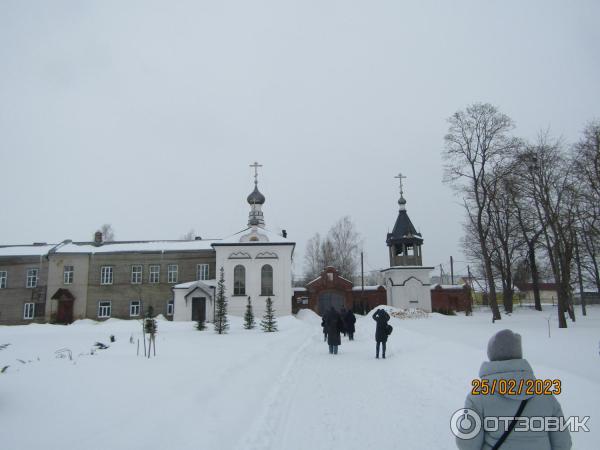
(32, 280)
(152, 274)
(239, 286)
(132, 305)
(104, 307)
(172, 279)
(200, 272)
(106, 272)
(68, 275)
(264, 288)
(170, 308)
(135, 276)
(3, 279)
(28, 311)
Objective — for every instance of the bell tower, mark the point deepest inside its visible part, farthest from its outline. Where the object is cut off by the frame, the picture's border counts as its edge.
(407, 281)
(256, 200)
(404, 241)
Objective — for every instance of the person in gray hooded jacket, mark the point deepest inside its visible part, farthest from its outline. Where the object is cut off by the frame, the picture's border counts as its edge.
(507, 362)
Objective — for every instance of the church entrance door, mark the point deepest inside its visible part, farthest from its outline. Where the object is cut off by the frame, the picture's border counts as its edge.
(64, 314)
(329, 299)
(198, 309)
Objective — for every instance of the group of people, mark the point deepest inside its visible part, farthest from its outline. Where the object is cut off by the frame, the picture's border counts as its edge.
(337, 323)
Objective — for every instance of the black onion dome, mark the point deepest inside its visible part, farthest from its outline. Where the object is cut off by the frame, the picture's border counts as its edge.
(256, 198)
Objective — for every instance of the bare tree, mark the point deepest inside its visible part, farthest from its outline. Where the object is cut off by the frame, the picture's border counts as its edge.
(505, 237)
(555, 197)
(190, 235)
(587, 166)
(477, 141)
(108, 233)
(340, 249)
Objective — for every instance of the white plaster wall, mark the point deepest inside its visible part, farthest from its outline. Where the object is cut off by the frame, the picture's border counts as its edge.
(183, 309)
(408, 287)
(282, 278)
(78, 288)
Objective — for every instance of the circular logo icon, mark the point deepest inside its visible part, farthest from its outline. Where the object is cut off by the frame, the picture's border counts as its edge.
(465, 423)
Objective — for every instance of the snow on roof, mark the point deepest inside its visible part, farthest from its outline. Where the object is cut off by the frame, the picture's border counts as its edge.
(191, 284)
(136, 246)
(367, 288)
(26, 250)
(270, 237)
(299, 289)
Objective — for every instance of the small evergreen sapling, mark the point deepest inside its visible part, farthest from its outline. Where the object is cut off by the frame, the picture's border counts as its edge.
(269, 324)
(200, 325)
(221, 323)
(249, 316)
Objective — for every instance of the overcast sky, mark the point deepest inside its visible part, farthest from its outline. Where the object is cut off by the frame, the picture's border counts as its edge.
(146, 115)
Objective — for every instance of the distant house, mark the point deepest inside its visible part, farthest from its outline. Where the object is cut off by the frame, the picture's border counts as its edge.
(547, 292)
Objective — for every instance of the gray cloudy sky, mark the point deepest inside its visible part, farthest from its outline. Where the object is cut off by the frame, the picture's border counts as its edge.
(146, 114)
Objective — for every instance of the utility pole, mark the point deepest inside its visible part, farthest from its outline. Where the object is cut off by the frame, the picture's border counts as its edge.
(362, 282)
(441, 274)
(451, 270)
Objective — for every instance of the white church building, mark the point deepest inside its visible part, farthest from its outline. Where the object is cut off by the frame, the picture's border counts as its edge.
(257, 265)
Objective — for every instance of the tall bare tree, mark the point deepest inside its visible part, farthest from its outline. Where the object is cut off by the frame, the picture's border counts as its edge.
(340, 249)
(108, 233)
(555, 199)
(477, 141)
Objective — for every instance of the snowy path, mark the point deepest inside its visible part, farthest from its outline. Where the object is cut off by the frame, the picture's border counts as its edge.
(250, 390)
(352, 400)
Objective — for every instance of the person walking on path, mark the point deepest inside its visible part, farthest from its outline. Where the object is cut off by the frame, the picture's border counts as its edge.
(350, 320)
(381, 332)
(506, 363)
(333, 325)
(324, 325)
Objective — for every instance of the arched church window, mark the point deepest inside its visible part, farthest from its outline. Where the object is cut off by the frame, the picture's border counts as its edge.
(266, 280)
(239, 280)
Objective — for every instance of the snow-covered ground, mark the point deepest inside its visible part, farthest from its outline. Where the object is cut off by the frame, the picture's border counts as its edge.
(255, 390)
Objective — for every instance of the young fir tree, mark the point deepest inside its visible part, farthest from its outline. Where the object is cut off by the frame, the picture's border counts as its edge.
(200, 325)
(249, 316)
(221, 323)
(269, 323)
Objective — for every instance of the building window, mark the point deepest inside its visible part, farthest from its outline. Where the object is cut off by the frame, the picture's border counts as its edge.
(104, 309)
(106, 275)
(32, 278)
(154, 275)
(239, 280)
(40, 309)
(172, 273)
(28, 311)
(3, 278)
(202, 272)
(266, 280)
(170, 308)
(68, 272)
(136, 274)
(134, 308)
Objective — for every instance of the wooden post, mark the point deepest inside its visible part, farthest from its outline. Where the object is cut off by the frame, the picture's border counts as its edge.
(451, 270)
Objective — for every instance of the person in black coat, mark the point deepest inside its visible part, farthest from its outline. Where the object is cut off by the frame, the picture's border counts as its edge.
(349, 321)
(324, 325)
(381, 333)
(333, 323)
